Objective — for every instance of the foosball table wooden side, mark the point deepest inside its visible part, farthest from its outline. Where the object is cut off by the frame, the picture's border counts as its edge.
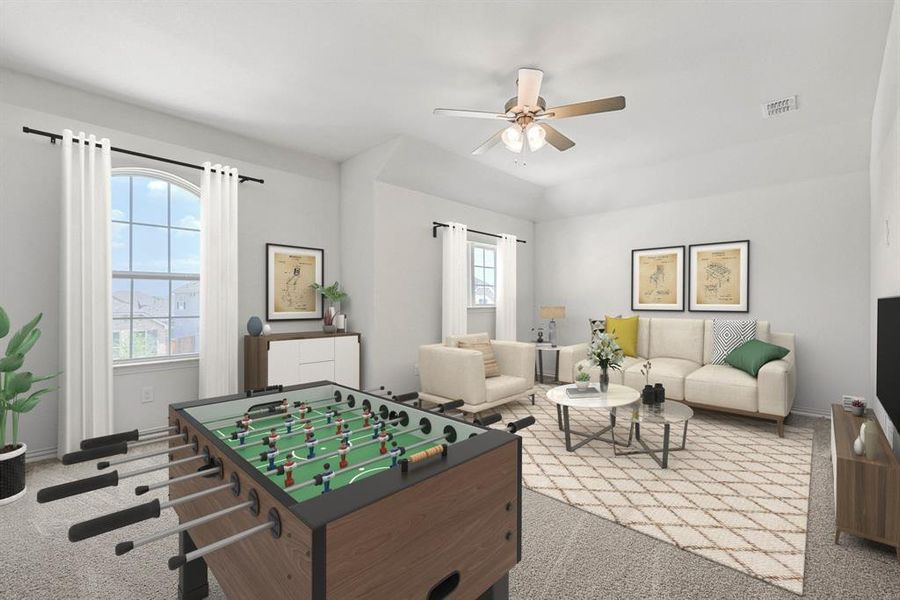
(260, 566)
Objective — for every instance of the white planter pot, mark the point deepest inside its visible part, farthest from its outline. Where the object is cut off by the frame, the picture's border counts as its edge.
(12, 475)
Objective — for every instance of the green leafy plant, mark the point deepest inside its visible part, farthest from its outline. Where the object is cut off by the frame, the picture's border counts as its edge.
(605, 352)
(16, 395)
(582, 375)
(333, 292)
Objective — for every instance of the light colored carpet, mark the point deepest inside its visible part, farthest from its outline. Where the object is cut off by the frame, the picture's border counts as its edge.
(738, 494)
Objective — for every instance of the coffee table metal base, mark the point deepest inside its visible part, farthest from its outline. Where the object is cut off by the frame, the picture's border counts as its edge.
(562, 419)
(663, 462)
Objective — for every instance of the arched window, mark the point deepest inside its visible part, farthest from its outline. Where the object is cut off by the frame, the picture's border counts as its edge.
(155, 265)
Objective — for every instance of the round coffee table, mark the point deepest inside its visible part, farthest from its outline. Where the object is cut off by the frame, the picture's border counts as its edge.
(616, 396)
(667, 413)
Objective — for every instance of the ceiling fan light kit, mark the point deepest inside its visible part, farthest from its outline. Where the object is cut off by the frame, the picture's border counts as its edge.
(526, 113)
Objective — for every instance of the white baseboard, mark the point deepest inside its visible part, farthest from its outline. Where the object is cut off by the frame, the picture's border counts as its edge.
(809, 411)
(42, 454)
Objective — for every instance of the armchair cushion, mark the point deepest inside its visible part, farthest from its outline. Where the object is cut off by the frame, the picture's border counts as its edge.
(491, 368)
(452, 373)
(505, 386)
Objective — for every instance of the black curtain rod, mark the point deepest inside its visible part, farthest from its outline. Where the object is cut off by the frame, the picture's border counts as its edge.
(435, 226)
(55, 136)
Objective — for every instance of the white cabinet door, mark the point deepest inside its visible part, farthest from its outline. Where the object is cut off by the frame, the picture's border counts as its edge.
(346, 361)
(284, 362)
(316, 350)
(320, 371)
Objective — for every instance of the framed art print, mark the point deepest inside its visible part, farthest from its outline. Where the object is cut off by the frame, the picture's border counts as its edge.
(719, 276)
(657, 278)
(290, 273)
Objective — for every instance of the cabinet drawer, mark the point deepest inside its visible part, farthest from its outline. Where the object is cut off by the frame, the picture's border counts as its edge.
(315, 351)
(319, 371)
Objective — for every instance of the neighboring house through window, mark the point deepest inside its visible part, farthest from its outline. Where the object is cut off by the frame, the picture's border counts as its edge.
(155, 265)
(482, 275)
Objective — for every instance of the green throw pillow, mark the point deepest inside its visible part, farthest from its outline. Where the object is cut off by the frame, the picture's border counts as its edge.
(751, 356)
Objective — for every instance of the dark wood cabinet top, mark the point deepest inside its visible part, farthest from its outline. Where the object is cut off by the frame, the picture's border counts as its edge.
(302, 335)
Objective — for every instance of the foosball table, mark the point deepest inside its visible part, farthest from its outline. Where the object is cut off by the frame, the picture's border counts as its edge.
(322, 491)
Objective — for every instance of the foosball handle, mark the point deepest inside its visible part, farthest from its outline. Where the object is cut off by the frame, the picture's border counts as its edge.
(439, 450)
(406, 397)
(113, 521)
(81, 456)
(442, 408)
(520, 424)
(80, 486)
(106, 440)
(488, 420)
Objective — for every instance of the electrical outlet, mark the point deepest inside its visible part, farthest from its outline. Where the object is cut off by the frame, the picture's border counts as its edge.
(147, 394)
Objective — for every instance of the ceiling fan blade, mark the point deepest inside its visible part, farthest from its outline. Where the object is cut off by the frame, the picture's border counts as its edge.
(472, 114)
(586, 108)
(556, 139)
(529, 86)
(487, 145)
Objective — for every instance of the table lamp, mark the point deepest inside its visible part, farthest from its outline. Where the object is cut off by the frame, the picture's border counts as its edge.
(552, 313)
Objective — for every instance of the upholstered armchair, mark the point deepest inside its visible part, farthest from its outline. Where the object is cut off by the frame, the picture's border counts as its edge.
(447, 373)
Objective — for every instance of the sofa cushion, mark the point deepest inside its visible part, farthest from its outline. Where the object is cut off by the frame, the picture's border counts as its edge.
(762, 333)
(614, 375)
(625, 331)
(728, 334)
(491, 368)
(721, 386)
(676, 338)
(453, 340)
(668, 371)
(751, 356)
(504, 386)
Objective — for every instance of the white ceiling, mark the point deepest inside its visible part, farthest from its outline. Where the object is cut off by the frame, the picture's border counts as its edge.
(334, 79)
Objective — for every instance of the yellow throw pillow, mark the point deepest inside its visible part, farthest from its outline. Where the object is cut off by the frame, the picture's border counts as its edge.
(626, 333)
(491, 368)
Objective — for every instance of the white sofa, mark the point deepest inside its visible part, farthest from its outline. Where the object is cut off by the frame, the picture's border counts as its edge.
(447, 373)
(680, 351)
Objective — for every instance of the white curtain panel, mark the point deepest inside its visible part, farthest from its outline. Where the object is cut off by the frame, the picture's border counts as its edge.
(455, 293)
(219, 328)
(85, 406)
(506, 288)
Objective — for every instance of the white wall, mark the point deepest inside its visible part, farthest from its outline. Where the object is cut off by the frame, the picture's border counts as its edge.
(809, 257)
(297, 205)
(884, 173)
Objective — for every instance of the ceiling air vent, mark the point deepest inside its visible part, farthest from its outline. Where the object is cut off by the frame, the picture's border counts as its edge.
(782, 105)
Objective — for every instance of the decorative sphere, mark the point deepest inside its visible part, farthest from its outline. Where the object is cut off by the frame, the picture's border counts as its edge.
(267, 329)
(254, 326)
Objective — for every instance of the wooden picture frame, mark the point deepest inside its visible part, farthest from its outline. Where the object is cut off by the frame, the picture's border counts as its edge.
(290, 270)
(657, 278)
(719, 276)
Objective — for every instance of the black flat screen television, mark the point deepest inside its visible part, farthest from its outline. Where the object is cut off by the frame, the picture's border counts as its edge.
(887, 378)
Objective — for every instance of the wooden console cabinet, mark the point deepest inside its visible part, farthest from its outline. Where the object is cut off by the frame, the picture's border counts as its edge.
(294, 358)
(866, 492)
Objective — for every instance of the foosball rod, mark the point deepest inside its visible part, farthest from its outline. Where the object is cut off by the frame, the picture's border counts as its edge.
(269, 411)
(103, 464)
(109, 479)
(80, 456)
(265, 433)
(124, 436)
(179, 560)
(284, 414)
(136, 514)
(205, 472)
(297, 431)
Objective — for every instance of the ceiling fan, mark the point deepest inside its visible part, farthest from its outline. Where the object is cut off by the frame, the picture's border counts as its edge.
(529, 114)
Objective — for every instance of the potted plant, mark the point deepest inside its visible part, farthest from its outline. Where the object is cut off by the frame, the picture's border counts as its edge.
(605, 352)
(648, 394)
(858, 407)
(582, 378)
(334, 295)
(16, 398)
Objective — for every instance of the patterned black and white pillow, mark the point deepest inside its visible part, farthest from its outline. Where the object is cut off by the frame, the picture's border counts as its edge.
(729, 334)
(598, 326)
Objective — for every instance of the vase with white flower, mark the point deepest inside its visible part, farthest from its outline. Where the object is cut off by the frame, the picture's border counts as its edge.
(605, 353)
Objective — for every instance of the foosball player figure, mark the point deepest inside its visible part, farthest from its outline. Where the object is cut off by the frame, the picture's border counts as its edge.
(285, 406)
(329, 414)
(383, 437)
(343, 449)
(289, 422)
(311, 442)
(327, 476)
(242, 435)
(273, 435)
(366, 414)
(395, 453)
(376, 427)
(338, 421)
(308, 428)
(302, 410)
(345, 434)
(288, 467)
(271, 454)
(246, 420)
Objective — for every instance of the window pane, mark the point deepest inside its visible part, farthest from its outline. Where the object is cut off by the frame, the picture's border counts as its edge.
(151, 298)
(478, 256)
(489, 276)
(150, 200)
(477, 275)
(120, 247)
(185, 299)
(185, 336)
(151, 249)
(121, 298)
(185, 208)
(121, 340)
(489, 296)
(120, 191)
(185, 251)
(489, 257)
(150, 337)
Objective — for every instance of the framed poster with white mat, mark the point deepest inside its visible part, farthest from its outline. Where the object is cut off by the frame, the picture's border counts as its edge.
(719, 277)
(657, 278)
(290, 273)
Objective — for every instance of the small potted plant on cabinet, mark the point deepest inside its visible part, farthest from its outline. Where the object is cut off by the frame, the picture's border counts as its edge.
(334, 296)
(582, 378)
(16, 398)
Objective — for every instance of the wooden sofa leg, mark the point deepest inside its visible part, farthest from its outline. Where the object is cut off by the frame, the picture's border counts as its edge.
(532, 399)
(780, 427)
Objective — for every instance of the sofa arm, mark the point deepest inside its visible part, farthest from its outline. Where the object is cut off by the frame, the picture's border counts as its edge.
(776, 383)
(515, 358)
(452, 373)
(568, 357)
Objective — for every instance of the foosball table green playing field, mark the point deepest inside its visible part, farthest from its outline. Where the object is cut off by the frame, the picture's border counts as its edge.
(323, 491)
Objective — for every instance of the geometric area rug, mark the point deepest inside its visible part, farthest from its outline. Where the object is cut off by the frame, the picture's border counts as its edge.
(737, 494)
